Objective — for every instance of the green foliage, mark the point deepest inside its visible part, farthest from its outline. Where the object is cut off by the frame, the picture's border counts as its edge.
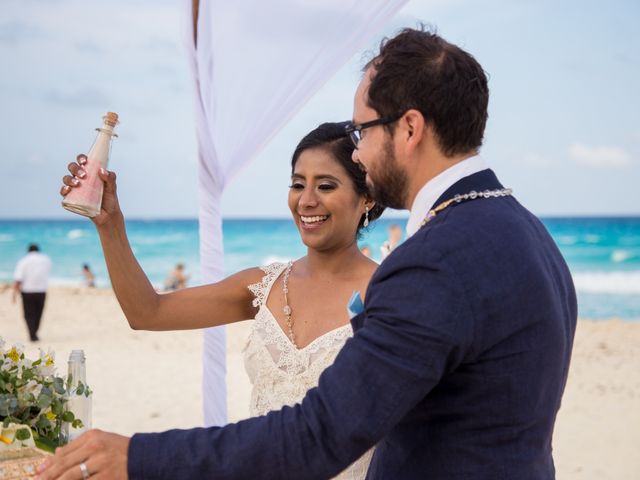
(23, 434)
(58, 386)
(44, 401)
(68, 416)
(31, 394)
(46, 444)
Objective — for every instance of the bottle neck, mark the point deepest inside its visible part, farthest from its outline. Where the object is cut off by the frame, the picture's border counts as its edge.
(77, 372)
(77, 367)
(107, 129)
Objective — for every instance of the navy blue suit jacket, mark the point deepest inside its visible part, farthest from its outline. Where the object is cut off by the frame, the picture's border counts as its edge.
(455, 371)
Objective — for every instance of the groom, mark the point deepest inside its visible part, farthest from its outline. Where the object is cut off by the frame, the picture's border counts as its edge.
(459, 360)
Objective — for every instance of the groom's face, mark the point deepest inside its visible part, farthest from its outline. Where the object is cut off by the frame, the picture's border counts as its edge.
(386, 179)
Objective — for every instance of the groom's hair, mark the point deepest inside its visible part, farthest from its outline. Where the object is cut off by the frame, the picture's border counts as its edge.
(417, 69)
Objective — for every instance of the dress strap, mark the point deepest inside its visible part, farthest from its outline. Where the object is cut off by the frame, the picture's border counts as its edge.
(261, 289)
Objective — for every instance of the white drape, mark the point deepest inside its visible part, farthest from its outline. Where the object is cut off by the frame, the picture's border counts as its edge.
(256, 63)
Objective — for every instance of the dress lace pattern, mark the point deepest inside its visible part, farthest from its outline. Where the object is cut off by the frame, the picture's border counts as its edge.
(280, 372)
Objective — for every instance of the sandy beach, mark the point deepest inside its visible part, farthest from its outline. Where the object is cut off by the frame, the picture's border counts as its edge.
(149, 381)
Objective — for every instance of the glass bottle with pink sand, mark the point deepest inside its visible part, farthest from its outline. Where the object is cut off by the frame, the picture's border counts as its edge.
(86, 199)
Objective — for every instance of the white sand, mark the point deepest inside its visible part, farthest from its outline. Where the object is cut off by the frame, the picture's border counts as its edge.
(150, 381)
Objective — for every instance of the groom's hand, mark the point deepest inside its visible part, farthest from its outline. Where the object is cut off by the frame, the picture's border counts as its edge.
(103, 454)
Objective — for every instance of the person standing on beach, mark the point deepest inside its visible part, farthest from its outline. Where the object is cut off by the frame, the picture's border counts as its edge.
(89, 277)
(461, 351)
(389, 245)
(176, 280)
(31, 281)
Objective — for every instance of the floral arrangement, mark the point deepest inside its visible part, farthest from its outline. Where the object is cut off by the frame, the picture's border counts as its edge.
(33, 400)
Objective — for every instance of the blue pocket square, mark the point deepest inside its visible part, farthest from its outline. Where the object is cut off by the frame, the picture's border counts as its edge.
(355, 305)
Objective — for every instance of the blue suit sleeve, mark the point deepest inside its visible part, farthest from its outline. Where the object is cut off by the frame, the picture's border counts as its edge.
(416, 328)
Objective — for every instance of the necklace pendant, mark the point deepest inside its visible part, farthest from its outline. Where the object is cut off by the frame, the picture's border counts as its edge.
(287, 310)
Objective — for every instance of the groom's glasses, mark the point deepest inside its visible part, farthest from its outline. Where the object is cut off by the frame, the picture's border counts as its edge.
(355, 131)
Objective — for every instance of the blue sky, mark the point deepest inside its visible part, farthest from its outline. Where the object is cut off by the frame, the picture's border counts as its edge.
(563, 130)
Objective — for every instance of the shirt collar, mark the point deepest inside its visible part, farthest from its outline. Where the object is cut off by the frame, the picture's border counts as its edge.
(435, 187)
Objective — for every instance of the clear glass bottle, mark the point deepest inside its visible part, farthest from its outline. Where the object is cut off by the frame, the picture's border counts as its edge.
(79, 402)
(86, 199)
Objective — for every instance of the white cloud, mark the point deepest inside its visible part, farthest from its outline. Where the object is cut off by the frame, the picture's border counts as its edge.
(599, 156)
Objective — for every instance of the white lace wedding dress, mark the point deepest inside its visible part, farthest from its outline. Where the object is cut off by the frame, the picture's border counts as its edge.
(281, 373)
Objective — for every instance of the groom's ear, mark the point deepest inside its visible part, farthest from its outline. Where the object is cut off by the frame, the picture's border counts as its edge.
(413, 127)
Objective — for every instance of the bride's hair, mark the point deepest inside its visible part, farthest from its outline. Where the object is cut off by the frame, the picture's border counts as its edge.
(332, 137)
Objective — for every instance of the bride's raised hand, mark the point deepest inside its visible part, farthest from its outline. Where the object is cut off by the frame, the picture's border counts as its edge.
(110, 206)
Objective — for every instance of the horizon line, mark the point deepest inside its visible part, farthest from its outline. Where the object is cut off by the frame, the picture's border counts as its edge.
(271, 218)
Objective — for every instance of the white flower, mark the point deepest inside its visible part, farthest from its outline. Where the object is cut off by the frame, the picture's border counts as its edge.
(47, 366)
(41, 388)
(34, 387)
(14, 355)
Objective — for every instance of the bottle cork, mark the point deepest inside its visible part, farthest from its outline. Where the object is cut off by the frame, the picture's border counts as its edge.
(111, 118)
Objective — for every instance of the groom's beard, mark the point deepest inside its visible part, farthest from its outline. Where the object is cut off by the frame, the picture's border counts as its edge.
(388, 182)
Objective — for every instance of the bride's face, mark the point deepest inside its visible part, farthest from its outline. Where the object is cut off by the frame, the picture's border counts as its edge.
(323, 201)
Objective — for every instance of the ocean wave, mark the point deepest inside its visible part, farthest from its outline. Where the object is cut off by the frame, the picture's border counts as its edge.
(618, 256)
(6, 276)
(590, 238)
(567, 240)
(158, 240)
(625, 283)
(65, 282)
(274, 259)
(76, 233)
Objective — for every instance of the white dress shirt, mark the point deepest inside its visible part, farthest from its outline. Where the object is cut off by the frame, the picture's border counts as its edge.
(32, 271)
(435, 187)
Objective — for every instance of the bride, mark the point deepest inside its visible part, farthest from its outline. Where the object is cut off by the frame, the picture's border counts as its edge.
(299, 308)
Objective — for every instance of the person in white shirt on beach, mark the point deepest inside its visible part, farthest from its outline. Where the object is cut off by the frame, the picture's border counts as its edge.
(31, 281)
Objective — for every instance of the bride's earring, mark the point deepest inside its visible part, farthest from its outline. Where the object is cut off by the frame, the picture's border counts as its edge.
(366, 217)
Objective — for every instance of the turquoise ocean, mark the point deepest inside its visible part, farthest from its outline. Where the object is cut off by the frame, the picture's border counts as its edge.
(603, 253)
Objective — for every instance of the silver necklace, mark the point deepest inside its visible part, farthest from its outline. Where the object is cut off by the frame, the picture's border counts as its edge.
(287, 309)
(472, 195)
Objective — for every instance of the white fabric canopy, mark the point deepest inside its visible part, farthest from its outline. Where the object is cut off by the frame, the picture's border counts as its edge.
(256, 63)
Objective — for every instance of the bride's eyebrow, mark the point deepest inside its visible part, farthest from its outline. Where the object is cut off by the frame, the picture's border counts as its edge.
(328, 177)
(298, 176)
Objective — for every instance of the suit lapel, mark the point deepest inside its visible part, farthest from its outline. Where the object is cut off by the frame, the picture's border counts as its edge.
(357, 322)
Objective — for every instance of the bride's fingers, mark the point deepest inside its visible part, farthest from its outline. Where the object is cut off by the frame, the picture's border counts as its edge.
(76, 170)
(81, 159)
(70, 181)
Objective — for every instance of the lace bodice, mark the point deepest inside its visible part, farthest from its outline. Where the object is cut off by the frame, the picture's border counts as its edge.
(280, 372)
